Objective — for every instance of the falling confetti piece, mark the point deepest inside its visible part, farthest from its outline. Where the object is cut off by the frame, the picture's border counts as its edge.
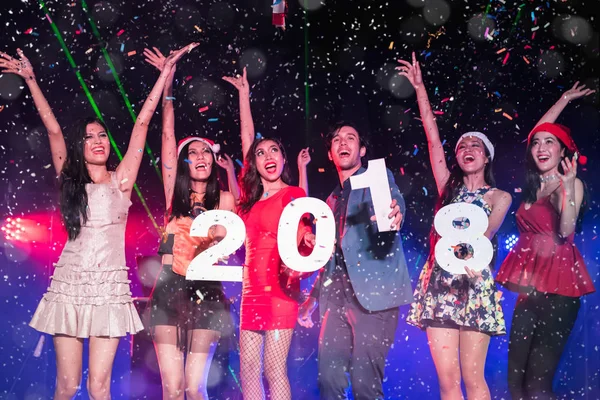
(518, 190)
(526, 60)
(239, 162)
(202, 109)
(47, 166)
(124, 180)
(1, 108)
(169, 98)
(502, 50)
(120, 32)
(131, 53)
(327, 282)
(505, 58)
(122, 47)
(507, 116)
(200, 295)
(213, 119)
(402, 170)
(425, 190)
(88, 51)
(28, 31)
(321, 170)
(391, 45)
(197, 28)
(258, 135)
(187, 161)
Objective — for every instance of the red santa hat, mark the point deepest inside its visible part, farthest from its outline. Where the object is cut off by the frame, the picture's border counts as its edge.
(563, 134)
(214, 147)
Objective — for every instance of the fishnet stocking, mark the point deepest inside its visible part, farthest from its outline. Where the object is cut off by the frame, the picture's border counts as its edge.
(268, 351)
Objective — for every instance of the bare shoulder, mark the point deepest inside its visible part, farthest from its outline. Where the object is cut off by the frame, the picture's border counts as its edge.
(226, 201)
(500, 198)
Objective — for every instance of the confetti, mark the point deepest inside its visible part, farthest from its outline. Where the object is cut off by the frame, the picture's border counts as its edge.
(526, 60)
(169, 98)
(187, 161)
(258, 135)
(391, 46)
(425, 190)
(402, 170)
(47, 166)
(239, 162)
(202, 109)
(131, 53)
(505, 59)
(321, 170)
(327, 282)
(507, 116)
(122, 47)
(502, 50)
(28, 31)
(125, 180)
(1, 108)
(213, 119)
(518, 190)
(120, 32)
(88, 51)
(197, 28)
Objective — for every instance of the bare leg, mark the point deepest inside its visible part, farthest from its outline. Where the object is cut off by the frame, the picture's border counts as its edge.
(170, 361)
(443, 343)
(69, 352)
(102, 356)
(201, 348)
(277, 348)
(251, 364)
(473, 352)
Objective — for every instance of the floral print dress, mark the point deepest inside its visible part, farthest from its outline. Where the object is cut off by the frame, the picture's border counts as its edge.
(450, 300)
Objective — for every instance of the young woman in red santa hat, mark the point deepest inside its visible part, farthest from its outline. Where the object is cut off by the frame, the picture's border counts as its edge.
(545, 266)
(188, 317)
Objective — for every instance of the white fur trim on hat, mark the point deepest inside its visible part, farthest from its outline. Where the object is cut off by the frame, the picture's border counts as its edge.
(478, 135)
(214, 147)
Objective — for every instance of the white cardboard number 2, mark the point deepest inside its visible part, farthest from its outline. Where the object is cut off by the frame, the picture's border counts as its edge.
(375, 178)
(203, 266)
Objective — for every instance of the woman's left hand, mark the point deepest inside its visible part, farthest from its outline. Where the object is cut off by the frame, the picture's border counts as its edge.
(570, 173)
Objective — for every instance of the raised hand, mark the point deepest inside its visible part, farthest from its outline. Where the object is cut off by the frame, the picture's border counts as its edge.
(21, 67)
(225, 162)
(240, 82)
(577, 91)
(155, 57)
(303, 158)
(412, 72)
(175, 56)
(567, 178)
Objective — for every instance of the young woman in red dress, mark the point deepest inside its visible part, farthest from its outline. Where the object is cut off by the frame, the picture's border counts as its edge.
(545, 266)
(269, 309)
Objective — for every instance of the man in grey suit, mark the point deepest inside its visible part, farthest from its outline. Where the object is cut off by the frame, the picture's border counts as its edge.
(363, 284)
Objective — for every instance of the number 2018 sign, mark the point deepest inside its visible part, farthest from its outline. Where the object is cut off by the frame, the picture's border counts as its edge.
(374, 178)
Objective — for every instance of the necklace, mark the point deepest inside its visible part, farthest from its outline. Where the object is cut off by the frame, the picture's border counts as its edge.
(548, 178)
(266, 194)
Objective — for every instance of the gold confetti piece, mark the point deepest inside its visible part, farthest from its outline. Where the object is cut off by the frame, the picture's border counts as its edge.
(198, 29)
(507, 116)
(502, 50)
(131, 53)
(391, 45)
(497, 110)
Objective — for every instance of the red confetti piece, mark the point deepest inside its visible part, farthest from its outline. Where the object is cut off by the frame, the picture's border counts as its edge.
(122, 31)
(28, 31)
(445, 100)
(402, 170)
(202, 109)
(505, 58)
(438, 112)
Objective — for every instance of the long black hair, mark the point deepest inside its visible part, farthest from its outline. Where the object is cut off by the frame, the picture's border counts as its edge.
(452, 188)
(73, 178)
(533, 184)
(250, 182)
(181, 205)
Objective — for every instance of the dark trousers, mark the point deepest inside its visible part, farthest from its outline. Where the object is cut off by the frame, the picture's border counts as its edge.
(354, 342)
(541, 325)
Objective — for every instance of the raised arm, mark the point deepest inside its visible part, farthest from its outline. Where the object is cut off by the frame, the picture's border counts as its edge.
(436, 152)
(554, 112)
(501, 204)
(23, 68)
(128, 168)
(168, 152)
(226, 163)
(303, 161)
(246, 123)
(570, 197)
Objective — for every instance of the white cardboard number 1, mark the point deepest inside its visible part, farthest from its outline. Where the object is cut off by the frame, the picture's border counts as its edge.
(375, 178)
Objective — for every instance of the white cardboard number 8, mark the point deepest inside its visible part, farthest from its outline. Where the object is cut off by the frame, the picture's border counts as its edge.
(451, 236)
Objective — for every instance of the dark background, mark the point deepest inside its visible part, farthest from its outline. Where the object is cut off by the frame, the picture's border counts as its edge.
(334, 61)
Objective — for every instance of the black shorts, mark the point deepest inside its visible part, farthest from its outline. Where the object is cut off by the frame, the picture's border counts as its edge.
(175, 301)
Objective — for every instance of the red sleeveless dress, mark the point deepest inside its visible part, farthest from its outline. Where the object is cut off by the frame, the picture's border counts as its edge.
(268, 300)
(542, 260)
